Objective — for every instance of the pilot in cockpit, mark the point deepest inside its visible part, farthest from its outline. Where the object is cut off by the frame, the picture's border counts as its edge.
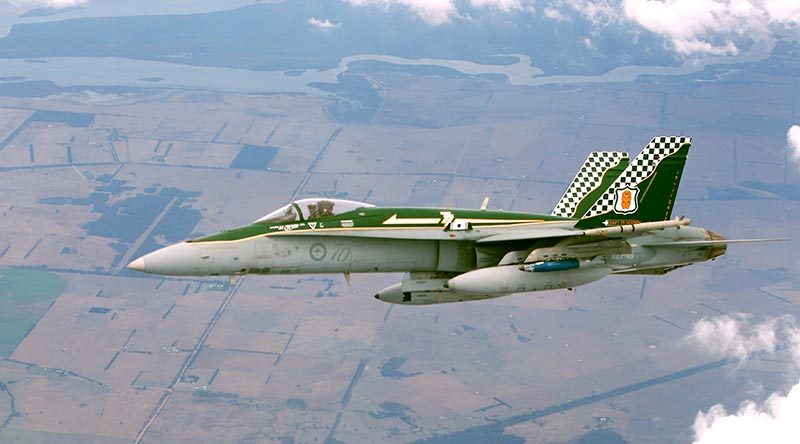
(320, 208)
(313, 213)
(325, 208)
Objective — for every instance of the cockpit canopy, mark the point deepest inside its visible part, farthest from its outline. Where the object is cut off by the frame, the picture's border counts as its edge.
(305, 209)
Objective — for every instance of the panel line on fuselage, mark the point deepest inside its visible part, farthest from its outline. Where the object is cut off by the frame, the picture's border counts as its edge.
(301, 231)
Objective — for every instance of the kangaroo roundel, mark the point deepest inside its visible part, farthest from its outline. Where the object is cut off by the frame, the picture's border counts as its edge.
(626, 200)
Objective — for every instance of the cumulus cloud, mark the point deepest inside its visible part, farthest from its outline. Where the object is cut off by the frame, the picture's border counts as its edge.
(435, 12)
(735, 336)
(439, 12)
(694, 26)
(325, 25)
(775, 420)
(599, 12)
(715, 27)
(697, 26)
(502, 5)
(554, 14)
(58, 4)
(793, 142)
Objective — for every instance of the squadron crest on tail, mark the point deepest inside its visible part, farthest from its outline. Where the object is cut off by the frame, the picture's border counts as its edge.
(626, 200)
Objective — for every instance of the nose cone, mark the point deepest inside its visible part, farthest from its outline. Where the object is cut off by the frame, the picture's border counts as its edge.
(138, 265)
(183, 259)
(393, 295)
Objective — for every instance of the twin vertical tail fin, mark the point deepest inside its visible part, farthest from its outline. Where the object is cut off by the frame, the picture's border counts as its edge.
(599, 170)
(645, 191)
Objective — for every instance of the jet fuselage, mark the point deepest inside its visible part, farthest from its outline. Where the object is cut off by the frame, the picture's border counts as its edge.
(449, 253)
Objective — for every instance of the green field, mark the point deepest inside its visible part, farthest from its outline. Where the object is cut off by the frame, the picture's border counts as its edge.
(24, 297)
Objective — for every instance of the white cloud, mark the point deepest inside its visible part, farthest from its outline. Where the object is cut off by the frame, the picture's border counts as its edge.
(439, 12)
(707, 26)
(775, 420)
(435, 12)
(734, 335)
(502, 5)
(554, 14)
(716, 27)
(325, 25)
(793, 140)
(697, 26)
(48, 3)
(599, 12)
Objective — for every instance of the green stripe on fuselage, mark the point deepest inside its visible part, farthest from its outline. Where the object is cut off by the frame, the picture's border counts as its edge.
(375, 218)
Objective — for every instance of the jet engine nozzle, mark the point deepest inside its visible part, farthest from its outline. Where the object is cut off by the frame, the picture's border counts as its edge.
(713, 251)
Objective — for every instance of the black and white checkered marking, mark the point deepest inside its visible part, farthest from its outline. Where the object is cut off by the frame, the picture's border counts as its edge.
(639, 169)
(588, 178)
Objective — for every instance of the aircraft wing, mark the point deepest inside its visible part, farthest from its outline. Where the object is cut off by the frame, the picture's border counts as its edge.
(593, 234)
(526, 235)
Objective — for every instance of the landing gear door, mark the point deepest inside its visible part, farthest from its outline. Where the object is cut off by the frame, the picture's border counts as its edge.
(455, 256)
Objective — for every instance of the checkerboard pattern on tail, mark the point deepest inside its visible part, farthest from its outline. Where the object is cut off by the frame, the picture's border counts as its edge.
(639, 169)
(589, 177)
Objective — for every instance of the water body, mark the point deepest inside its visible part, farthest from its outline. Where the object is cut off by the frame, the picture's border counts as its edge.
(115, 71)
(760, 51)
(519, 73)
(115, 8)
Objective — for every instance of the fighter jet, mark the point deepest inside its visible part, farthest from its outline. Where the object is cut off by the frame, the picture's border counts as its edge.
(614, 218)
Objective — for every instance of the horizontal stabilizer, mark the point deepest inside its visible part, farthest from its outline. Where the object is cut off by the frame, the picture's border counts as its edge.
(709, 243)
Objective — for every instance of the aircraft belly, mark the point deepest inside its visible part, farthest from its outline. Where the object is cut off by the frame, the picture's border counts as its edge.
(650, 257)
(327, 254)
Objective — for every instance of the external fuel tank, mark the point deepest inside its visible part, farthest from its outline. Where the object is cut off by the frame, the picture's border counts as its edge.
(506, 279)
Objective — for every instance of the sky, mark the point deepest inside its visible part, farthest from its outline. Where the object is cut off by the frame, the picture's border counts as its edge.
(688, 28)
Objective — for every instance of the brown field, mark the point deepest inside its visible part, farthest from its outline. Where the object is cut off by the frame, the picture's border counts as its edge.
(311, 358)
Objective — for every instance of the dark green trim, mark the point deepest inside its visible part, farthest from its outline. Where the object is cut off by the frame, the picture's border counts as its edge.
(373, 217)
(656, 196)
(608, 178)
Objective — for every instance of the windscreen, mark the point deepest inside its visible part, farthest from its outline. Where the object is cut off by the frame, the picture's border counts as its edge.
(284, 214)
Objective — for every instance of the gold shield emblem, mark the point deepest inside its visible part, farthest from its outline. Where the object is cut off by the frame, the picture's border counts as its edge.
(626, 200)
